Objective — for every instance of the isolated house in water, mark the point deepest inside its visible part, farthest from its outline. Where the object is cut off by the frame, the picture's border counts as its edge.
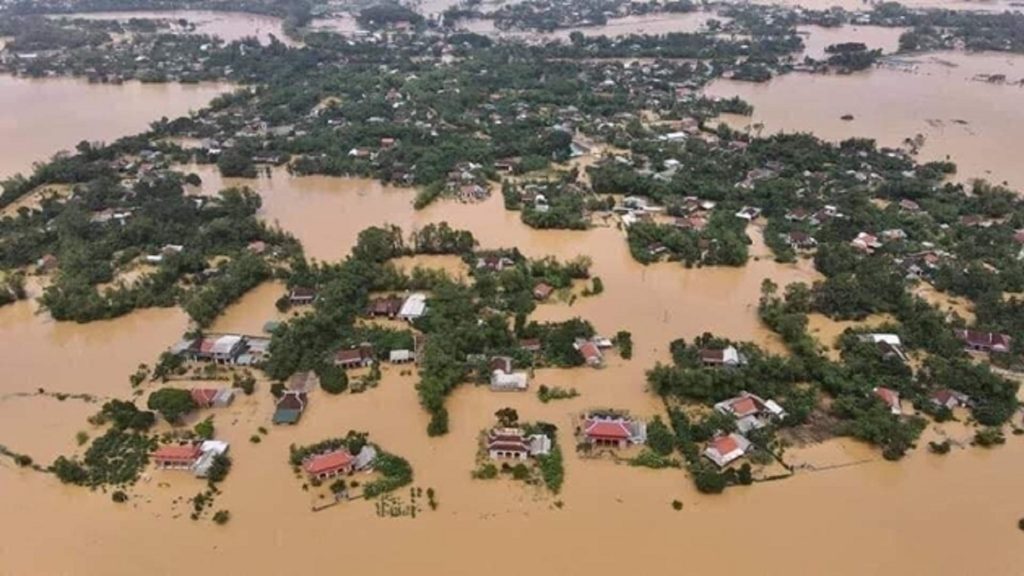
(724, 450)
(329, 465)
(289, 407)
(616, 431)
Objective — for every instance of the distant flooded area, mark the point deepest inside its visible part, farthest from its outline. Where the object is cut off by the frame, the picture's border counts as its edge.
(229, 26)
(955, 100)
(845, 511)
(44, 123)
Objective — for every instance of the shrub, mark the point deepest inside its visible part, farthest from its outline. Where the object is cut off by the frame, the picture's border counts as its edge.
(221, 517)
(988, 437)
(939, 447)
(486, 472)
(119, 496)
(677, 505)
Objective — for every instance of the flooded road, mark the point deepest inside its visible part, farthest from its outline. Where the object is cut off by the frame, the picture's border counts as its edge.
(101, 112)
(943, 97)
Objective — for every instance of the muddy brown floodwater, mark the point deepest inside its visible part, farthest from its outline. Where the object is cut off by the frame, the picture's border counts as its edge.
(41, 117)
(845, 512)
(941, 96)
(229, 26)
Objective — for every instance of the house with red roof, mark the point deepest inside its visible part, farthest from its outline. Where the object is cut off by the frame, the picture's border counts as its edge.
(543, 291)
(950, 399)
(177, 457)
(613, 430)
(329, 465)
(590, 351)
(891, 399)
(212, 397)
(751, 411)
(724, 450)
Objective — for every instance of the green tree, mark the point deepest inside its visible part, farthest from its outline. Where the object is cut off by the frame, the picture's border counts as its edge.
(171, 403)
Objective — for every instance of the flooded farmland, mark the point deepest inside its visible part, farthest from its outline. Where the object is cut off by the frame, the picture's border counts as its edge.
(945, 97)
(101, 112)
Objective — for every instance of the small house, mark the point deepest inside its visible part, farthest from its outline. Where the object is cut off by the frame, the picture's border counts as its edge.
(891, 398)
(507, 444)
(751, 411)
(359, 357)
(177, 457)
(329, 465)
(984, 341)
(289, 407)
(212, 397)
(384, 307)
(210, 450)
(950, 399)
(301, 295)
(415, 306)
(612, 430)
(726, 449)
(401, 356)
(543, 291)
(592, 355)
(728, 357)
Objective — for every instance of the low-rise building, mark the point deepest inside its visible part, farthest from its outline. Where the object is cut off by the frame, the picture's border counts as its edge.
(212, 397)
(729, 357)
(726, 449)
(359, 357)
(613, 430)
(329, 465)
(891, 398)
(543, 291)
(289, 407)
(415, 306)
(301, 295)
(590, 351)
(978, 341)
(751, 411)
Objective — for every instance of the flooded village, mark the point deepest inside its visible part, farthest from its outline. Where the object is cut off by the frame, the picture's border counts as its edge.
(446, 312)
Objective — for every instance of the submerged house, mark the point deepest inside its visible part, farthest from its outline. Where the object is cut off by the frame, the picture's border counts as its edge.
(613, 430)
(195, 457)
(724, 450)
(359, 357)
(176, 457)
(590, 351)
(950, 399)
(514, 444)
(223, 349)
(891, 398)
(504, 379)
(329, 465)
(289, 407)
(212, 397)
(728, 357)
(301, 295)
(751, 411)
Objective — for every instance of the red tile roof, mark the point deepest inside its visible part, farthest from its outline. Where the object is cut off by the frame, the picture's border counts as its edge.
(723, 444)
(614, 429)
(177, 453)
(890, 397)
(327, 463)
(203, 397)
(744, 406)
